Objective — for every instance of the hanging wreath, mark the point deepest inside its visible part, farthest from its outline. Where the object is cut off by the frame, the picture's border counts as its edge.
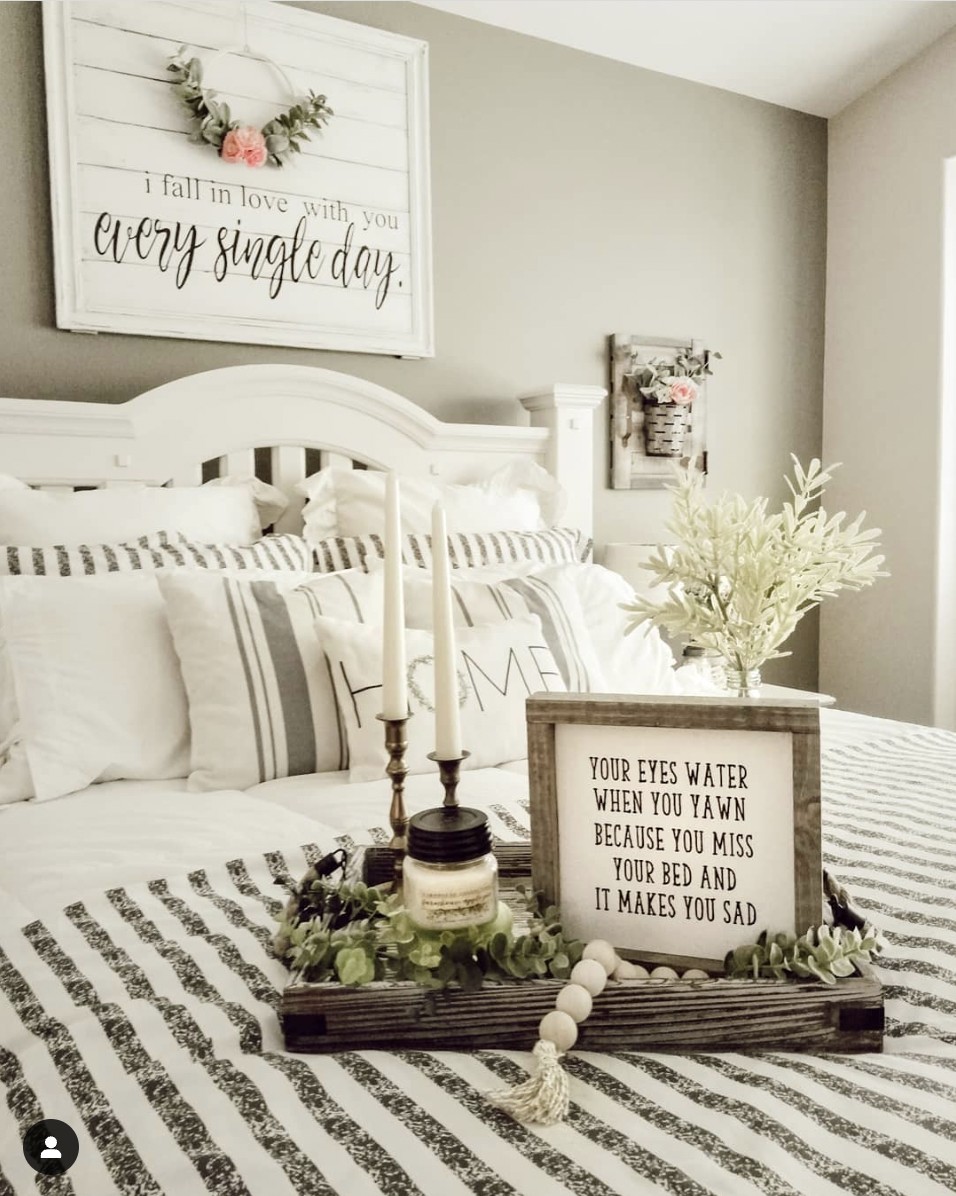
(211, 121)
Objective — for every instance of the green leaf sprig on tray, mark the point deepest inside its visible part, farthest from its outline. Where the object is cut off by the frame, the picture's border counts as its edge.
(355, 934)
(827, 953)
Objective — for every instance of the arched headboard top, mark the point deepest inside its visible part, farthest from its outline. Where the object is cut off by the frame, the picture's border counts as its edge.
(166, 433)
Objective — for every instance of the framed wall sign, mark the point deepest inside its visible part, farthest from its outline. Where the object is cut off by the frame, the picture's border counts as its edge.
(676, 828)
(649, 437)
(159, 235)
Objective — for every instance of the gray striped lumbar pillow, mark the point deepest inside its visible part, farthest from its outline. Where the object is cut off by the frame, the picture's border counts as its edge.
(282, 553)
(145, 553)
(556, 545)
(549, 594)
(261, 703)
(159, 550)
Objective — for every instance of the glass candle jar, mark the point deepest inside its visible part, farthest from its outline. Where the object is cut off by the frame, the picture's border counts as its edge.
(449, 874)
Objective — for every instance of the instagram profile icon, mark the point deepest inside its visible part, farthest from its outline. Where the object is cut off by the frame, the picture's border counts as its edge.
(50, 1147)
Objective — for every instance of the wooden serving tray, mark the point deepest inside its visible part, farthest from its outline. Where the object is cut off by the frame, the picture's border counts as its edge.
(647, 1015)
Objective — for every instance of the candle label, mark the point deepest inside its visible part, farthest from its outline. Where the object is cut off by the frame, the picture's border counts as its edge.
(447, 906)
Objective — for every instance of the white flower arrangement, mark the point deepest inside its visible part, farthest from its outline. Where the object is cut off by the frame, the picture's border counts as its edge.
(661, 380)
(741, 578)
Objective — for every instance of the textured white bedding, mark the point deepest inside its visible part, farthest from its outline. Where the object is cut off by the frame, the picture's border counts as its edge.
(127, 832)
(363, 806)
(145, 1016)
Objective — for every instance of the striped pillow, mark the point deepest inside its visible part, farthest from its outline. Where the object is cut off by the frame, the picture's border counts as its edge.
(550, 594)
(261, 703)
(285, 553)
(146, 553)
(557, 545)
(159, 550)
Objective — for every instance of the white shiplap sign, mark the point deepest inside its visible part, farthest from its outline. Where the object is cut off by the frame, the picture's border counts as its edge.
(156, 235)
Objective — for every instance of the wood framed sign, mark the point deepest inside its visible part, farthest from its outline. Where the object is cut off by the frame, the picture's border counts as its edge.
(159, 235)
(646, 442)
(676, 828)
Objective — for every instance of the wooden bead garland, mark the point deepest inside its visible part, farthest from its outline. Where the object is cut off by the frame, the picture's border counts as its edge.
(575, 1000)
(544, 1097)
(590, 975)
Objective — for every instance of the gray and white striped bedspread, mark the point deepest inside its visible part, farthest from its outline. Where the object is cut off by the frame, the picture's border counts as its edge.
(146, 1019)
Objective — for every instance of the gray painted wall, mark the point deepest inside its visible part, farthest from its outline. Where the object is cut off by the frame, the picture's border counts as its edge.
(573, 197)
(891, 385)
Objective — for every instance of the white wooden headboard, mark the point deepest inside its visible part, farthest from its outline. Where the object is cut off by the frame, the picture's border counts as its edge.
(166, 435)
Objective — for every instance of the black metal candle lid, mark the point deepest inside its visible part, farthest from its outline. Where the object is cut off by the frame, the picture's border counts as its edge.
(448, 835)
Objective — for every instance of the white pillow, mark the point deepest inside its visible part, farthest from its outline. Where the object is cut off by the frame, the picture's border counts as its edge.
(98, 688)
(635, 663)
(351, 502)
(270, 502)
(261, 703)
(499, 667)
(208, 514)
(548, 593)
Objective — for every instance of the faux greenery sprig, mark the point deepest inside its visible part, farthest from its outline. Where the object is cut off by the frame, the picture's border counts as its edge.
(827, 953)
(740, 578)
(211, 120)
(356, 934)
(655, 378)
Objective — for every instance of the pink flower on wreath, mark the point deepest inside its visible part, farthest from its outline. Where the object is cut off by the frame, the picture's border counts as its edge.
(245, 144)
(681, 391)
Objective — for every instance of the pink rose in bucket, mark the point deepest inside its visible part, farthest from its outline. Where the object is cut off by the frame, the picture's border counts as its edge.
(244, 144)
(682, 391)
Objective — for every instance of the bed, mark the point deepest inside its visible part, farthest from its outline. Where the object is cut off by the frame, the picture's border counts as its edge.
(137, 986)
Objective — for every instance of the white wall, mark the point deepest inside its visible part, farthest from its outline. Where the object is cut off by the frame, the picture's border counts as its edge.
(888, 401)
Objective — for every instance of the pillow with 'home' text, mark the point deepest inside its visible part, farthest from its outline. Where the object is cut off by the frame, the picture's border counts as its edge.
(499, 667)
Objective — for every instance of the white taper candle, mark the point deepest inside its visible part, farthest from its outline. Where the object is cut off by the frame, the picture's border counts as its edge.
(394, 682)
(447, 719)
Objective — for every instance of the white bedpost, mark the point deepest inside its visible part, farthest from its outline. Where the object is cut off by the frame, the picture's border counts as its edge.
(568, 414)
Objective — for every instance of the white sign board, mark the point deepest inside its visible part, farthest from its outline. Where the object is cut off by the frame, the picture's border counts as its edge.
(688, 835)
(156, 235)
(682, 833)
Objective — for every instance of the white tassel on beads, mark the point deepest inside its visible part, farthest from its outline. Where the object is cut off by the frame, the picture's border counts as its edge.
(543, 1098)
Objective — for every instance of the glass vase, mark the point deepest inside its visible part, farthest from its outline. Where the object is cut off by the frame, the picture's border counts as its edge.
(742, 683)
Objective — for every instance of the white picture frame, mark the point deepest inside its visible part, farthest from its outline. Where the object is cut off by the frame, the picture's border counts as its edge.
(192, 246)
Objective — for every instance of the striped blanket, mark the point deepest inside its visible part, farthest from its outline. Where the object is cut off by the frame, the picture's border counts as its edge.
(146, 1020)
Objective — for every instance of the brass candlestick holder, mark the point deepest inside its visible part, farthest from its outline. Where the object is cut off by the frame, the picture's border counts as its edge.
(396, 744)
(448, 771)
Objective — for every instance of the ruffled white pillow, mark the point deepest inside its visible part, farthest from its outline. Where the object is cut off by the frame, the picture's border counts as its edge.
(351, 502)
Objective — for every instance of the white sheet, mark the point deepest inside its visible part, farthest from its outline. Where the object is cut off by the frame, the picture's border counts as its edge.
(146, 1018)
(126, 832)
(363, 806)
